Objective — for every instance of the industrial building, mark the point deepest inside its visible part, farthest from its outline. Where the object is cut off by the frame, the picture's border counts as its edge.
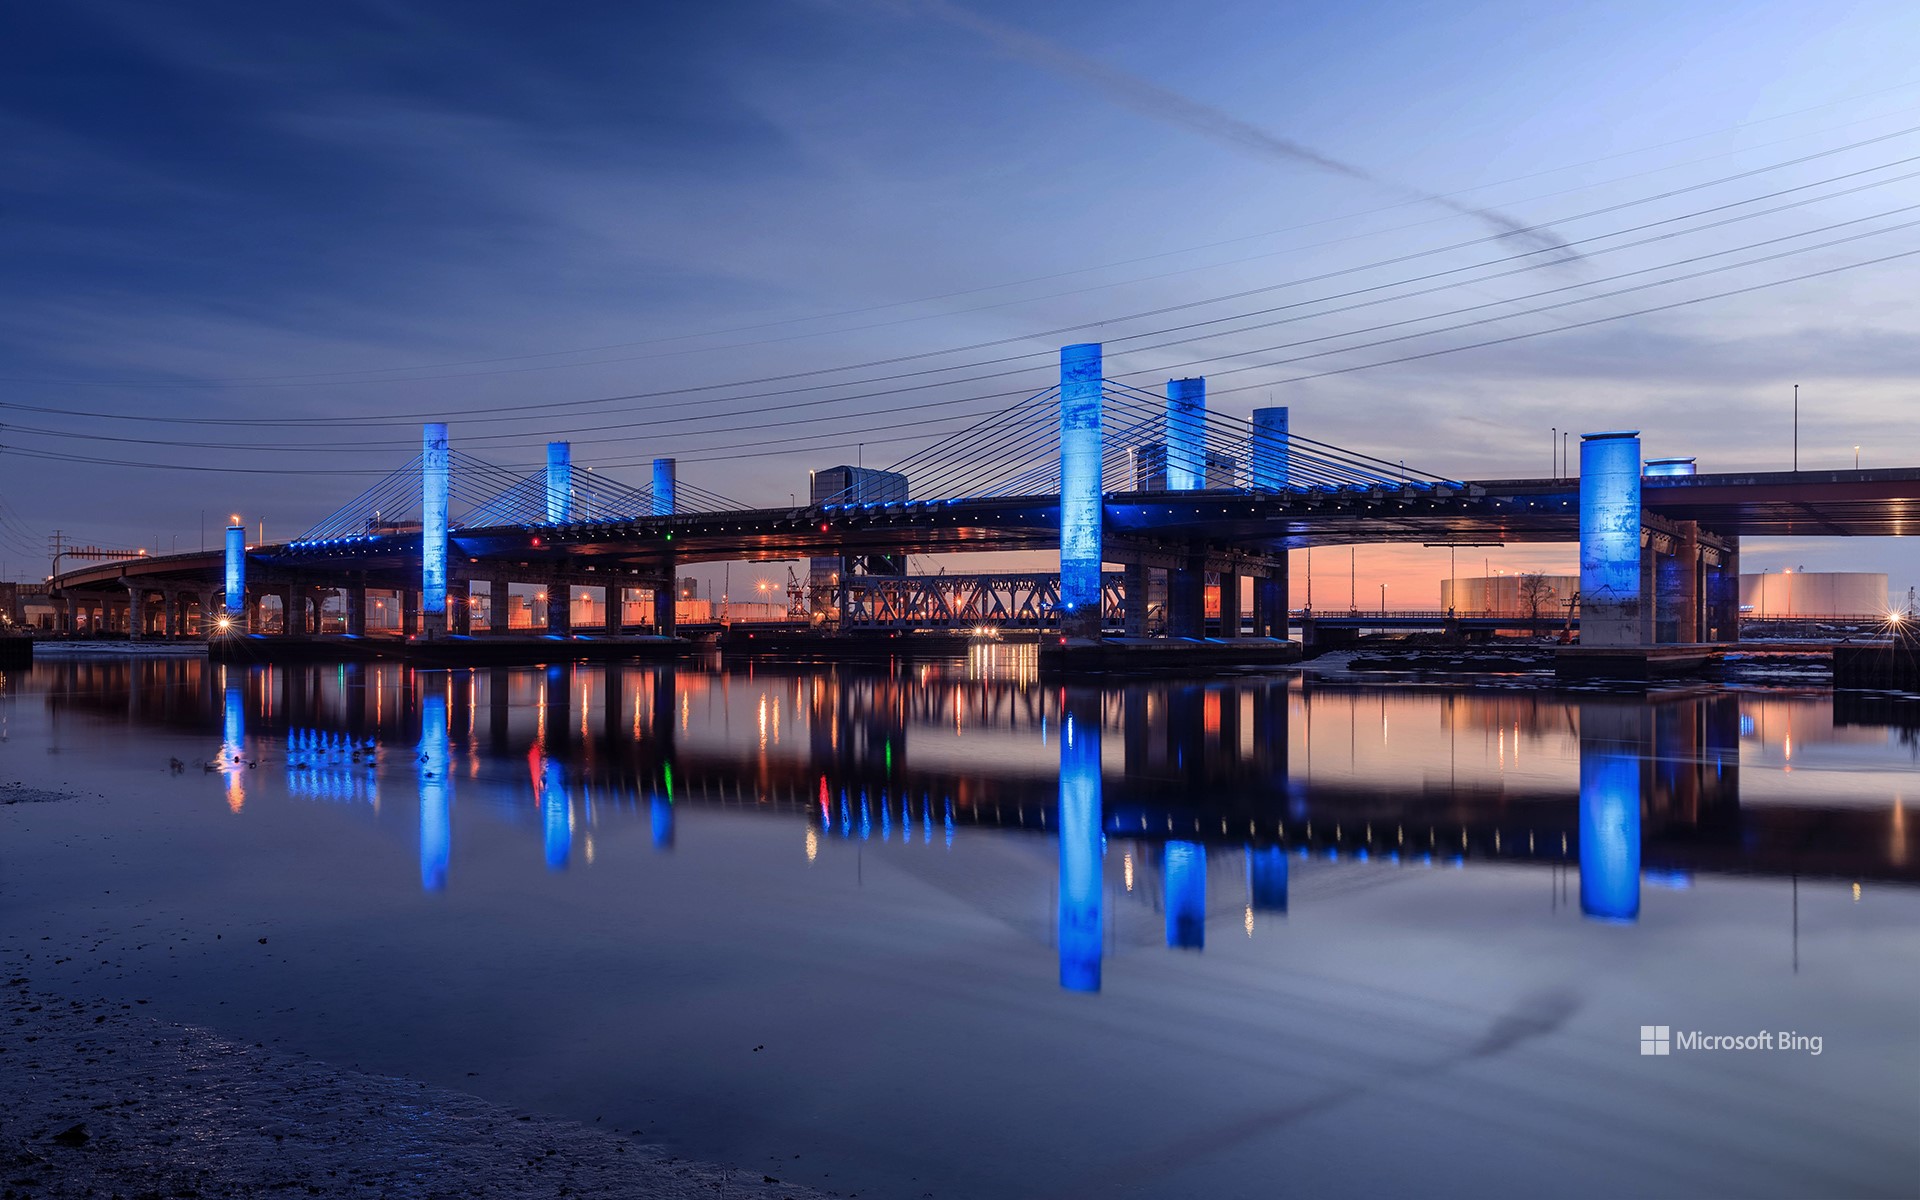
(1150, 469)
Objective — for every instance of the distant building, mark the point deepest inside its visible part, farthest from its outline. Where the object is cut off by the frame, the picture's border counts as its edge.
(1813, 594)
(1150, 469)
(849, 485)
(25, 605)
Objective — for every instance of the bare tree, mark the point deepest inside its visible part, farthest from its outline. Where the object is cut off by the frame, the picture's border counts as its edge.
(1535, 593)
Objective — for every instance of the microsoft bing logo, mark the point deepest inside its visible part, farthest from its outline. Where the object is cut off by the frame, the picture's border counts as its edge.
(1654, 1039)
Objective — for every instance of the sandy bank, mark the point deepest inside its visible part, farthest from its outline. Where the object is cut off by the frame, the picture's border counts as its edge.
(99, 1100)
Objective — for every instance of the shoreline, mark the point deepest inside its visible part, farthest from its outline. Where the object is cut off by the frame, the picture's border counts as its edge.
(97, 1099)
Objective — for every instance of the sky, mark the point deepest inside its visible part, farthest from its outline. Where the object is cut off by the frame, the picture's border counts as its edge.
(245, 250)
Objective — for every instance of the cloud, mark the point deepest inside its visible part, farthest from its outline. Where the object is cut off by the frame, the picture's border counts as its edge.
(1163, 104)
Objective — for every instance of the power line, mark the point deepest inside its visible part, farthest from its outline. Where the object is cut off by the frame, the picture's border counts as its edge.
(1054, 332)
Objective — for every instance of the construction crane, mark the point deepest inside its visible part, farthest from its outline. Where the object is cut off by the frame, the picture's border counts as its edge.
(796, 596)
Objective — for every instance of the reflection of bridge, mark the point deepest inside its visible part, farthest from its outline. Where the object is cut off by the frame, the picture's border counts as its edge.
(1093, 470)
(1209, 764)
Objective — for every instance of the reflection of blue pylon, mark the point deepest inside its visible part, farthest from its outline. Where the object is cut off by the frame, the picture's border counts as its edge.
(436, 793)
(1082, 843)
(556, 815)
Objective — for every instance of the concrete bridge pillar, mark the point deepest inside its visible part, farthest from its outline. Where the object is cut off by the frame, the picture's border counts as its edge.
(616, 601)
(169, 612)
(665, 599)
(1722, 587)
(1677, 586)
(1610, 584)
(460, 607)
(409, 613)
(1186, 435)
(1270, 602)
(1138, 584)
(560, 609)
(293, 606)
(1229, 604)
(1080, 490)
(1186, 598)
(499, 605)
(357, 609)
(136, 611)
(1652, 612)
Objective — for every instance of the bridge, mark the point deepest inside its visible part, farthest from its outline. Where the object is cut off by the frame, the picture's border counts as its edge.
(1187, 504)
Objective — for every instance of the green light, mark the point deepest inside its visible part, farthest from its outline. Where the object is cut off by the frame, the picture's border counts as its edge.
(889, 750)
(666, 769)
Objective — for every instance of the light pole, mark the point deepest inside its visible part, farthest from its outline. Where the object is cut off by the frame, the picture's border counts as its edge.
(1383, 601)
(1553, 444)
(1796, 427)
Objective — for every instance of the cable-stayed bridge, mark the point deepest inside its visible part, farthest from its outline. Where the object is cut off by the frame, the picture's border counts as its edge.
(1187, 502)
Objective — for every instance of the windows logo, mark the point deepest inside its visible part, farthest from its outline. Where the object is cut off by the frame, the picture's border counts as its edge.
(1654, 1039)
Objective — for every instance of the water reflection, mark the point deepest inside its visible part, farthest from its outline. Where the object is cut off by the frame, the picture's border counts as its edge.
(1281, 782)
(1186, 881)
(436, 793)
(1082, 848)
(556, 814)
(233, 747)
(1610, 757)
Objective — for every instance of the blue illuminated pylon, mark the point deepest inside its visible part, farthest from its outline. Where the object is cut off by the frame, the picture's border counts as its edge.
(1269, 449)
(663, 487)
(1186, 434)
(433, 527)
(1080, 496)
(1610, 539)
(236, 572)
(559, 482)
(1081, 845)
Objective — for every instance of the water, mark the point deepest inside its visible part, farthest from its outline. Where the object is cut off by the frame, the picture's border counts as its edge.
(945, 930)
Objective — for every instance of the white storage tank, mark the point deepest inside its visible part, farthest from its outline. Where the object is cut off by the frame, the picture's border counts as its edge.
(1814, 594)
